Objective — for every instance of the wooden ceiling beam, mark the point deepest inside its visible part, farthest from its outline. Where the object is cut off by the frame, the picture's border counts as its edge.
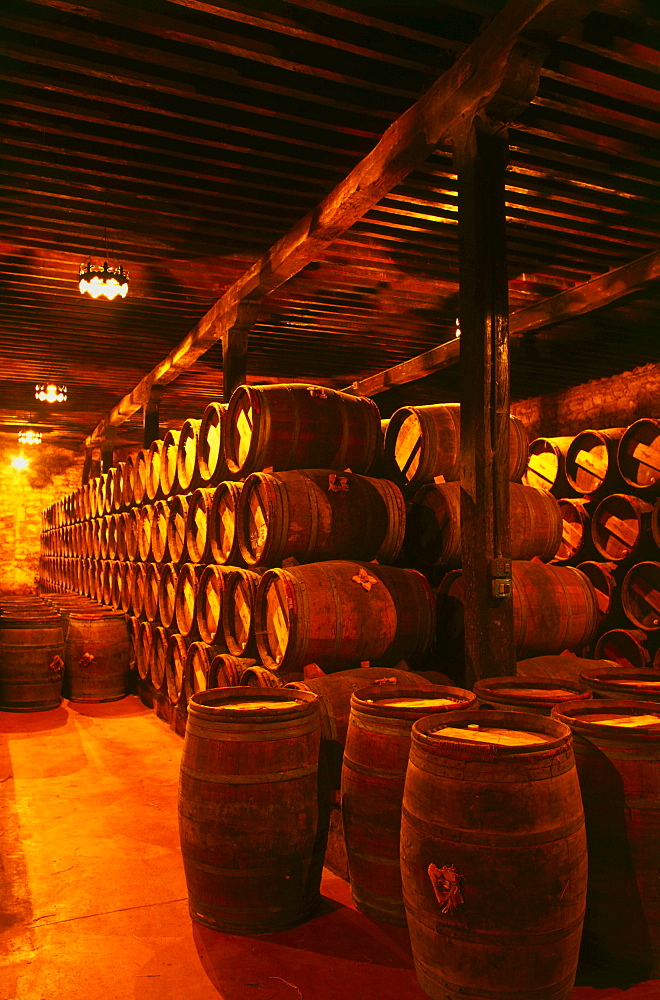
(595, 294)
(461, 92)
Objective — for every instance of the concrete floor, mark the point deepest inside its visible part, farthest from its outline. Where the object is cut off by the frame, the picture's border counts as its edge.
(93, 895)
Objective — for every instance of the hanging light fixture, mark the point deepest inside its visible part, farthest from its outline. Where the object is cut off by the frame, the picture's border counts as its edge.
(105, 281)
(50, 393)
(29, 437)
(19, 462)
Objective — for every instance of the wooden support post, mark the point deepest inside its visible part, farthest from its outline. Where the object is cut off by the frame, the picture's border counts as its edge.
(87, 467)
(234, 366)
(151, 416)
(108, 450)
(480, 160)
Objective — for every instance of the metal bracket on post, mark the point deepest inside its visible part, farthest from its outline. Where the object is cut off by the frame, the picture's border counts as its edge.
(151, 416)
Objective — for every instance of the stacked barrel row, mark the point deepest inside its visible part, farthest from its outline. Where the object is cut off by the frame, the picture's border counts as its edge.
(190, 536)
(608, 486)
(555, 607)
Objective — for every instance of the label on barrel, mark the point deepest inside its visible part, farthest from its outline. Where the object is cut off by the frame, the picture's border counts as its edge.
(500, 737)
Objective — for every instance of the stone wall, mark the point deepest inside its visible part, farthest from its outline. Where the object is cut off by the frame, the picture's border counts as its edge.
(596, 405)
(52, 473)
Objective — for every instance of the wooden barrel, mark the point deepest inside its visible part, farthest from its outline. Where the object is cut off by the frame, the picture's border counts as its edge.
(96, 657)
(31, 660)
(613, 682)
(227, 670)
(210, 599)
(139, 585)
(154, 461)
(132, 528)
(107, 491)
(339, 613)
(115, 585)
(603, 581)
(640, 595)
(133, 626)
(197, 668)
(106, 584)
(145, 526)
(151, 604)
(575, 531)
(260, 873)
(372, 780)
(211, 445)
(239, 595)
(554, 667)
(297, 426)
(111, 537)
(116, 487)
(625, 647)
(128, 497)
(617, 751)
(198, 539)
(143, 649)
(169, 577)
(526, 694)
(655, 522)
(317, 514)
(621, 527)
(176, 529)
(258, 677)
(104, 539)
(160, 640)
(554, 608)
(159, 524)
(591, 462)
(95, 575)
(221, 524)
(169, 484)
(187, 462)
(638, 456)
(433, 535)
(424, 442)
(127, 584)
(185, 600)
(546, 466)
(493, 856)
(140, 475)
(175, 667)
(123, 528)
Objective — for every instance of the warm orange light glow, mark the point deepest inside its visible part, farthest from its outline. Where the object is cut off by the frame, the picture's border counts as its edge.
(29, 437)
(19, 462)
(106, 282)
(50, 393)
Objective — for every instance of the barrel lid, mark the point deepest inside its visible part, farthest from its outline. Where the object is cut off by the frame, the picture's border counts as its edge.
(491, 734)
(531, 690)
(613, 719)
(400, 702)
(620, 680)
(249, 705)
(92, 616)
(471, 734)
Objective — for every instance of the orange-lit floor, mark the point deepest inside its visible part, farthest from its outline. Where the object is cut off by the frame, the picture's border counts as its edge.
(93, 896)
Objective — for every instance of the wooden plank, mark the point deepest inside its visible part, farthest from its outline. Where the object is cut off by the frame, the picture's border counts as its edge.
(468, 86)
(481, 164)
(595, 294)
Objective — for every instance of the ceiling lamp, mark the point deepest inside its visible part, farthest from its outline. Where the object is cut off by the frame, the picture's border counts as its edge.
(29, 437)
(105, 281)
(19, 462)
(50, 393)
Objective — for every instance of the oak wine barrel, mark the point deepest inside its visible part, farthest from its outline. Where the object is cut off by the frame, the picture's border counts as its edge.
(493, 856)
(621, 527)
(169, 577)
(140, 465)
(151, 604)
(185, 599)
(640, 595)
(169, 484)
(638, 456)
(132, 529)
(187, 461)
(297, 426)
(145, 530)
(591, 462)
(527, 694)
(424, 442)
(175, 667)
(576, 530)
(258, 677)
(546, 466)
(613, 682)
(96, 657)
(143, 649)
(210, 599)
(197, 668)
(433, 536)
(198, 539)
(176, 529)
(261, 871)
(127, 584)
(603, 581)
(626, 648)
(617, 751)
(316, 514)
(339, 613)
(159, 525)
(127, 496)
(227, 670)
(139, 585)
(160, 640)
(211, 447)
(221, 524)
(238, 600)
(372, 780)
(31, 659)
(553, 667)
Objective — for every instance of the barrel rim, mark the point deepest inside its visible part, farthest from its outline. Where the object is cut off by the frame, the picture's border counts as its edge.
(205, 704)
(364, 700)
(503, 683)
(422, 733)
(624, 459)
(600, 706)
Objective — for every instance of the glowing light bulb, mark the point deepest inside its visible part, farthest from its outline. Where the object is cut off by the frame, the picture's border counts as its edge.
(19, 462)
